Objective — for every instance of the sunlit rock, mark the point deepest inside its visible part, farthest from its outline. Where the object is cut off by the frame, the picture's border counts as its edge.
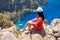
(49, 37)
(7, 36)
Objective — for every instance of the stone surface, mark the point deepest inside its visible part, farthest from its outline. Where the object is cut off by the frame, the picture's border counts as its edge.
(31, 37)
(13, 30)
(55, 26)
(47, 29)
(37, 37)
(7, 36)
(56, 30)
(55, 22)
(48, 32)
(58, 38)
(49, 37)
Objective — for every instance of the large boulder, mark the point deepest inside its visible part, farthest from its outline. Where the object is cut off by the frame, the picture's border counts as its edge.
(55, 26)
(49, 37)
(37, 37)
(33, 35)
(30, 37)
(12, 29)
(46, 27)
(55, 22)
(7, 36)
(56, 31)
(24, 36)
(49, 32)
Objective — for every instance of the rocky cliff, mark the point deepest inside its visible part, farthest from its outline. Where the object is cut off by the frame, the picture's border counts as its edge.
(49, 32)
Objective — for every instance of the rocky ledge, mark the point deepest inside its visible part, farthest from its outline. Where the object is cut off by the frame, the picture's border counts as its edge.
(49, 32)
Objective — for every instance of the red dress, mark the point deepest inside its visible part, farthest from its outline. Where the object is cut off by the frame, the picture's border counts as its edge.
(38, 25)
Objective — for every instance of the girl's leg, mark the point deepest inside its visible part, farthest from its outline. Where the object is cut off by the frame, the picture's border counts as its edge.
(28, 24)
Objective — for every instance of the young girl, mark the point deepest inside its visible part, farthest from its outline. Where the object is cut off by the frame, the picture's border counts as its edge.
(37, 22)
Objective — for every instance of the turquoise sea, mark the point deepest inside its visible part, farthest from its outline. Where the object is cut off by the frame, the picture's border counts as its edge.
(51, 11)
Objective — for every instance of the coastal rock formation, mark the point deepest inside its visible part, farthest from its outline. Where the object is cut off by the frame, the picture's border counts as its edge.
(55, 26)
(30, 37)
(21, 4)
(37, 37)
(12, 30)
(49, 37)
(49, 32)
(55, 22)
(7, 36)
(46, 27)
(17, 8)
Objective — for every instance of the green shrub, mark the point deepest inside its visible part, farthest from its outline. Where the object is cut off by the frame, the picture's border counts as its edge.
(5, 22)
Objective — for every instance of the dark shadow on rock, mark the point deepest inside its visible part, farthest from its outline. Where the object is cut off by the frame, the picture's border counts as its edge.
(41, 32)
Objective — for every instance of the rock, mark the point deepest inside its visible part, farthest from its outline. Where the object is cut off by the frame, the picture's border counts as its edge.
(58, 38)
(56, 31)
(27, 38)
(33, 35)
(45, 22)
(37, 37)
(12, 29)
(20, 38)
(55, 26)
(49, 37)
(7, 36)
(49, 32)
(0, 28)
(55, 22)
(24, 36)
(47, 29)
(30, 37)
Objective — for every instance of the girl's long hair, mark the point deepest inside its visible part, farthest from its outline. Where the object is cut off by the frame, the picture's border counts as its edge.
(40, 14)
